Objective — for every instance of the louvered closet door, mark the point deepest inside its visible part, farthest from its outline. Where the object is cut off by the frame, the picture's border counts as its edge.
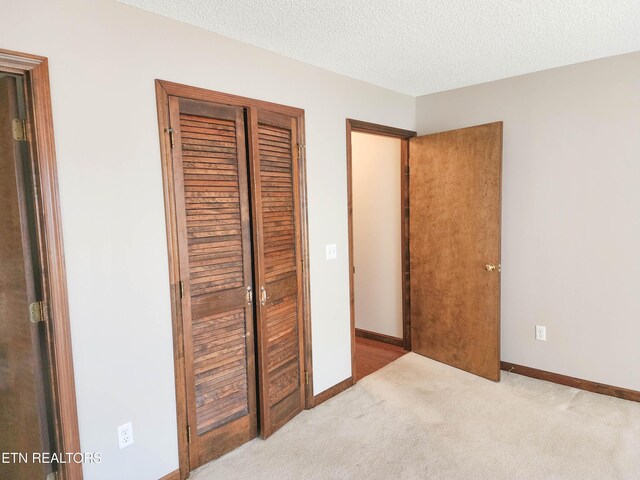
(274, 168)
(210, 175)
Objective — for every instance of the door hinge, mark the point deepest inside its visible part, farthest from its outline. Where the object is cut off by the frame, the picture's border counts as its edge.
(263, 296)
(188, 434)
(301, 147)
(181, 286)
(39, 312)
(19, 130)
(170, 131)
(52, 476)
(306, 375)
(249, 296)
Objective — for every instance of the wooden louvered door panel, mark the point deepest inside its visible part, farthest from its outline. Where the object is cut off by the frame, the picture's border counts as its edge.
(274, 173)
(214, 244)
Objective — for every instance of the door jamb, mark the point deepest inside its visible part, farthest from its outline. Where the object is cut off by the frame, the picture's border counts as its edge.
(404, 136)
(164, 89)
(35, 71)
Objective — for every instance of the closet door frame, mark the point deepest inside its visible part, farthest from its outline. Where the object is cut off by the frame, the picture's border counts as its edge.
(40, 136)
(165, 89)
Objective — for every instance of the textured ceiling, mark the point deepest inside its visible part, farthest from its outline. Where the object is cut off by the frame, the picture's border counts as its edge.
(421, 46)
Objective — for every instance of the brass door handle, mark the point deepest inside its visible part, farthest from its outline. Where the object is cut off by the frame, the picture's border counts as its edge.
(249, 296)
(490, 267)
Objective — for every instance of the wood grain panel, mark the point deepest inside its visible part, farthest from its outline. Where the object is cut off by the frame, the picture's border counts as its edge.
(222, 439)
(209, 161)
(274, 166)
(22, 395)
(455, 185)
(51, 255)
(220, 368)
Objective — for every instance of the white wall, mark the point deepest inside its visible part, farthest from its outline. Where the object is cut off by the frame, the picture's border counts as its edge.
(571, 205)
(104, 57)
(377, 250)
(571, 212)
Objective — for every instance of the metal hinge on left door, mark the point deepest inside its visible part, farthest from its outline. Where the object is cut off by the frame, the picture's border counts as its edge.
(188, 434)
(170, 131)
(306, 378)
(39, 312)
(19, 130)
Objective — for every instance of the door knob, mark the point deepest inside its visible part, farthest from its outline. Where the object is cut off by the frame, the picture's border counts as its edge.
(490, 267)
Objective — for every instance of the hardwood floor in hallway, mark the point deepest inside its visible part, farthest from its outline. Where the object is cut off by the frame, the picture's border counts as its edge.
(372, 356)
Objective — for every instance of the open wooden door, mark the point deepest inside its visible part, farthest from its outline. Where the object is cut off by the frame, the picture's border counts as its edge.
(23, 406)
(216, 286)
(274, 168)
(455, 197)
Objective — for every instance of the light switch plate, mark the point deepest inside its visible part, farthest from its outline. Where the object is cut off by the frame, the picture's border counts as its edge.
(332, 252)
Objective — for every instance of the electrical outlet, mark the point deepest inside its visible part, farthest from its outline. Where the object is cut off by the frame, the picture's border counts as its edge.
(541, 333)
(332, 251)
(125, 435)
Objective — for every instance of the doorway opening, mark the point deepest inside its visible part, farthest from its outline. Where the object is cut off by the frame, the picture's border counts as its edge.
(378, 199)
(450, 275)
(37, 391)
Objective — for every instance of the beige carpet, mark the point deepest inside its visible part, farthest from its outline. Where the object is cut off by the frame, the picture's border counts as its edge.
(419, 419)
